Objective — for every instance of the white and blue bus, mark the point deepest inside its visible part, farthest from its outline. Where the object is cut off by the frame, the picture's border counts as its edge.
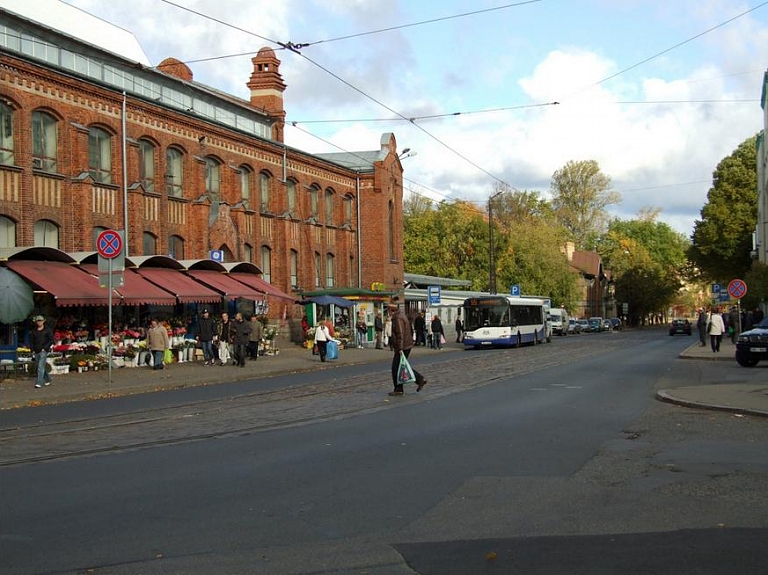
(508, 321)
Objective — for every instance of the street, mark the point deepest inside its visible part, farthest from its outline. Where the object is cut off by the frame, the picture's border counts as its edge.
(549, 459)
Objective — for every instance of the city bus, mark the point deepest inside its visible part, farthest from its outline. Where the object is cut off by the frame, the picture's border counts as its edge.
(504, 321)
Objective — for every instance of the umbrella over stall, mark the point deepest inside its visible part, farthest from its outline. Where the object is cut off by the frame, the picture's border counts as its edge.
(16, 298)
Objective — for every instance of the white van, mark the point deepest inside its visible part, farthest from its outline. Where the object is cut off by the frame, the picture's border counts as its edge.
(559, 319)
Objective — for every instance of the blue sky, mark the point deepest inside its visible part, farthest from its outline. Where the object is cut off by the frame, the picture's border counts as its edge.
(657, 153)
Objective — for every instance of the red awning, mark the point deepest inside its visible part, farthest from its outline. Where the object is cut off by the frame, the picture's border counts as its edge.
(136, 290)
(230, 288)
(66, 283)
(259, 284)
(182, 286)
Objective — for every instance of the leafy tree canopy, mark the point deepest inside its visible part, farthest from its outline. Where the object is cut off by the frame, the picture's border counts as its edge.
(722, 238)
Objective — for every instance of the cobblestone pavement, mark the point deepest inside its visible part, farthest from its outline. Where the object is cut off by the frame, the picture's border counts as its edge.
(256, 411)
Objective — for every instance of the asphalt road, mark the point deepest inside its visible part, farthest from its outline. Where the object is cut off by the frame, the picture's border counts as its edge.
(550, 459)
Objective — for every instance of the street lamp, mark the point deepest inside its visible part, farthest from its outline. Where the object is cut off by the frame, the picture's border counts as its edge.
(491, 267)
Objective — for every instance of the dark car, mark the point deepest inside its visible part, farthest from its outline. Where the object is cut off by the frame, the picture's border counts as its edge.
(752, 345)
(616, 323)
(682, 326)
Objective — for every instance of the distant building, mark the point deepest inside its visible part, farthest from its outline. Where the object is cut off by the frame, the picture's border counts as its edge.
(92, 138)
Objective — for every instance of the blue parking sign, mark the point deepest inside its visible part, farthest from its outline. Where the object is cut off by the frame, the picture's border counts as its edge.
(514, 289)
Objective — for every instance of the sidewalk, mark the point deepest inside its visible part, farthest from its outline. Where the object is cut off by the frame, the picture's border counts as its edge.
(16, 393)
(734, 397)
(20, 392)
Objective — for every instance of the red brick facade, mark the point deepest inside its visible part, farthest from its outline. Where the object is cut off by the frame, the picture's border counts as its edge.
(200, 219)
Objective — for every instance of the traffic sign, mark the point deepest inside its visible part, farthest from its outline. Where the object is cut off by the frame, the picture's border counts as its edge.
(217, 256)
(433, 293)
(715, 288)
(514, 289)
(737, 289)
(109, 244)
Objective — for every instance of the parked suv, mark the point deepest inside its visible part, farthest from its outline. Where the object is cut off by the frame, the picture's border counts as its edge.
(752, 345)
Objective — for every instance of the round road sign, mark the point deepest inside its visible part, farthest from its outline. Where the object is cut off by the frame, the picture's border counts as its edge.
(109, 244)
(737, 289)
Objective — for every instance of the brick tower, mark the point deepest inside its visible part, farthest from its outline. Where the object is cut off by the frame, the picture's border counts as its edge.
(267, 87)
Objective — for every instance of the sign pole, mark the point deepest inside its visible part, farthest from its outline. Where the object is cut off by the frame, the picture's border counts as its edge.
(109, 328)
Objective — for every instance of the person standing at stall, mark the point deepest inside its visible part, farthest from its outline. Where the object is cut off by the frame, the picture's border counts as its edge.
(254, 342)
(225, 338)
(157, 342)
(241, 337)
(206, 329)
(41, 340)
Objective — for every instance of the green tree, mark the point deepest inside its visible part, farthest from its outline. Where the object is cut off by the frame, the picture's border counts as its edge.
(722, 238)
(580, 195)
(757, 286)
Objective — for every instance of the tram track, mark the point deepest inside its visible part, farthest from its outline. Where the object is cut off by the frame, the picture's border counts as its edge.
(264, 410)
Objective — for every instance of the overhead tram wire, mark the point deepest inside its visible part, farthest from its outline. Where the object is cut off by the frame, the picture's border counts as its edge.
(665, 51)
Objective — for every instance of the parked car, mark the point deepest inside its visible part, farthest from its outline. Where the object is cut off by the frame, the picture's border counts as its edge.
(682, 326)
(596, 324)
(607, 325)
(574, 327)
(616, 323)
(752, 345)
(583, 325)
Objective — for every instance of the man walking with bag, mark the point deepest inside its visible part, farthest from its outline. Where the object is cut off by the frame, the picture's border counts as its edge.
(402, 340)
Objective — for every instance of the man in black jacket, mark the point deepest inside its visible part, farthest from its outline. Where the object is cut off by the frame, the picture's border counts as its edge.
(240, 337)
(206, 329)
(41, 340)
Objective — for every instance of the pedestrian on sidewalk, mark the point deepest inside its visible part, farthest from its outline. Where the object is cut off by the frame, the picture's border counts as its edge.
(438, 336)
(378, 326)
(241, 337)
(225, 339)
(41, 340)
(362, 331)
(701, 325)
(322, 335)
(402, 340)
(420, 327)
(157, 342)
(255, 338)
(715, 328)
(459, 326)
(388, 332)
(206, 329)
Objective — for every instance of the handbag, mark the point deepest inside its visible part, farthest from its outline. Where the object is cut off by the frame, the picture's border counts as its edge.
(167, 356)
(405, 372)
(442, 338)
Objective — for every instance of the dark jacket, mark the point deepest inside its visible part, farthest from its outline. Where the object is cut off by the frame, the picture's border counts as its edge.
(420, 324)
(226, 331)
(437, 326)
(402, 334)
(378, 325)
(41, 339)
(206, 329)
(242, 332)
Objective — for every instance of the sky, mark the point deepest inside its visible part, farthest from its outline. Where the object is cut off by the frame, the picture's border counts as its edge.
(658, 92)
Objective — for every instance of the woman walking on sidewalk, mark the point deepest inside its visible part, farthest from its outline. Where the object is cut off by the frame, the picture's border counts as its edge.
(157, 342)
(41, 340)
(715, 328)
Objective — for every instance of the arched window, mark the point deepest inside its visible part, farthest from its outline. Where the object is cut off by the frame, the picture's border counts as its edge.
(96, 232)
(46, 234)
(149, 243)
(391, 231)
(245, 184)
(44, 142)
(294, 269)
(176, 247)
(290, 196)
(318, 270)
(174, 175)
(330, 270)
(213, 178)
(265, 186)
(314, 193)
(147, 164)
(329, 196)
(248, 253)
(6, 135)
(348, 199)
(100, 155)
(7, 232)
(266, 263)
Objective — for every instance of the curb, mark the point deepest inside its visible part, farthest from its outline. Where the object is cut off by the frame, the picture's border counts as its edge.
(668, 398)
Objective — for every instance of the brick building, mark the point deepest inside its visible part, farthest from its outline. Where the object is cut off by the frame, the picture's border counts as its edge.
(94, 140)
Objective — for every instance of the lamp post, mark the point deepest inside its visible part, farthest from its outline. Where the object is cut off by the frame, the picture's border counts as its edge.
(491, 265)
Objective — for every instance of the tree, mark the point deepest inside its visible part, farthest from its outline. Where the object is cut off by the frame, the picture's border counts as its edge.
(722, 238)
(580, 195)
